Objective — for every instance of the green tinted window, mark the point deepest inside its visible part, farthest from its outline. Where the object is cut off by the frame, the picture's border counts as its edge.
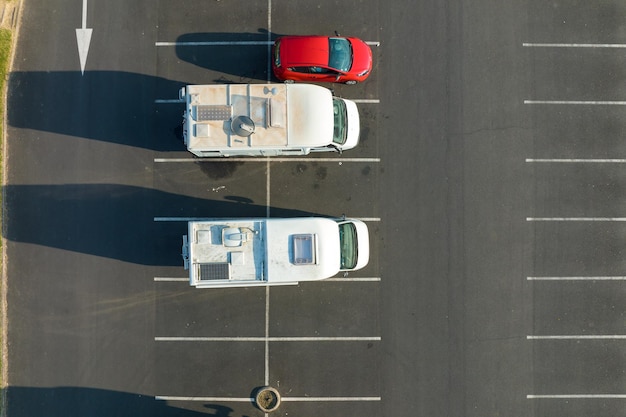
(340, 56)
(348, 245)
(340, 132)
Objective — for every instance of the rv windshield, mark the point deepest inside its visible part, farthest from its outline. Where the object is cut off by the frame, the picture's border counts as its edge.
(348, 245)
(340, 133)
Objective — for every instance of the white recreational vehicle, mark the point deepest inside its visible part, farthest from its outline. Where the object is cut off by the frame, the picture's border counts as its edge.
(266, 119)
(265, 251)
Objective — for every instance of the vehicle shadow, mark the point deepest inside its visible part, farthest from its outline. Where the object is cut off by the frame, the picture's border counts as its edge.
(80, 402)
(115, 221)
(243, 55)
(111, 106)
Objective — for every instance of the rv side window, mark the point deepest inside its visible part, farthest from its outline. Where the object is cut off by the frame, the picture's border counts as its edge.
(348, 245)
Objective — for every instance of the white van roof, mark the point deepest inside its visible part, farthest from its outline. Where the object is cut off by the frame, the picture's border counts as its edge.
(257, 116)
(310, 113)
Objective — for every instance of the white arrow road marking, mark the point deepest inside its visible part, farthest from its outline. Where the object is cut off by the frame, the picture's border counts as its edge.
(83, 38)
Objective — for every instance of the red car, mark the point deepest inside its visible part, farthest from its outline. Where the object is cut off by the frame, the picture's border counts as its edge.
(321, 58)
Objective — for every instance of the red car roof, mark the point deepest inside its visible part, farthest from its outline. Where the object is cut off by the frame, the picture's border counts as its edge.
(304, 50)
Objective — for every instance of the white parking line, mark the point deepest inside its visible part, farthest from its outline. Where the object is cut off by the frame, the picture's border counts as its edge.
(347, 279)
(578, 337)
(215, 43)
(602, 278)
(577, 396)
(170, 279)
(246, 399)
(574, 45)
(269, 39)
(196, 219)
(273, 159)
(267, 336)
(576, 219)
(178, 101)
(232, 43)
(179, 219)
(370, 279)
(267, 339)
(207, 399)
(580, 102)
(577, 160)
(268, 185)
(306, 399)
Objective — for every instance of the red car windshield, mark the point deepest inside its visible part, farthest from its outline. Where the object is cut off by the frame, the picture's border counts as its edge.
(340, 56)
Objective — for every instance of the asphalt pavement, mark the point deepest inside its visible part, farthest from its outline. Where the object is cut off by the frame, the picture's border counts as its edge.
(489, 173)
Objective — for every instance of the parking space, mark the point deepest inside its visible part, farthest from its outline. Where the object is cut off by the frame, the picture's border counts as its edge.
(234, 19)
(310, 185)
(578, 368)
(577, 408)
(577, 218)
(562, 308)
(579, 189)
(205, 369)
(578, 73)
(578, 132)
(576, 22)
(326, 369)
(222, 188)
(344, 408)
(209, 63)
(331, 309)
(571, 247)
(317, 343)
(183, 312)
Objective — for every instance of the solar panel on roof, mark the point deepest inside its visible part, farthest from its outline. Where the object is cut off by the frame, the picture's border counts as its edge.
(213, 271)
(208, 112)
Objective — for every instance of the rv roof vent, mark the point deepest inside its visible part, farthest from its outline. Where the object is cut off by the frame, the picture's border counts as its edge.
(304, 249)
(242, 126)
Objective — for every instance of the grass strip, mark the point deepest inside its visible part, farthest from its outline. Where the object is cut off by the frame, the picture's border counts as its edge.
(5, 57)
